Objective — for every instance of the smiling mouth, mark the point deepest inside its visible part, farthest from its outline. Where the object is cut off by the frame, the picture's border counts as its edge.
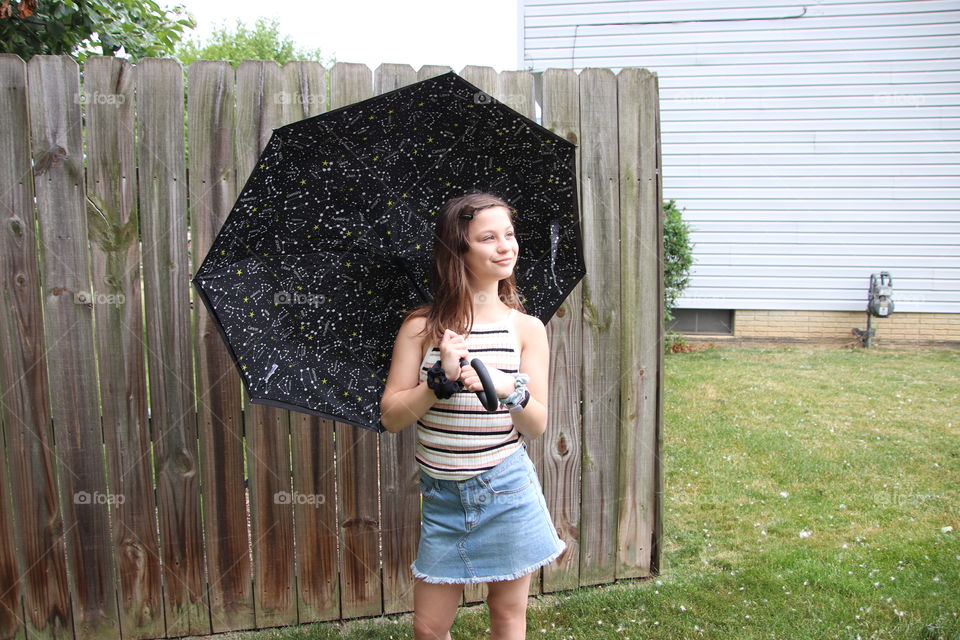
(504, 261)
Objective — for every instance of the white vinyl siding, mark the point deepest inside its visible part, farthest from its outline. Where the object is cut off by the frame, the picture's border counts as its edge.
(810, 144)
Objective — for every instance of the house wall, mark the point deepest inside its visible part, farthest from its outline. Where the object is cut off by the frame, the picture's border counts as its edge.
(809, 144)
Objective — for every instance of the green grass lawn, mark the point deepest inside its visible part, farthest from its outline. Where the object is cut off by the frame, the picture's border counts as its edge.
(809, 493)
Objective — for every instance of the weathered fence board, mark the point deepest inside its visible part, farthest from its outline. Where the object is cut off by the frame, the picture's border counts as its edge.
(163, 210)
(11, 610)
(55, 128)
(35, 598)
(213, 186)
(561, 441)
(259, 98)
(640, 282)
(115, 254)
(314, 476)
(314, 471)
(357, 449)
(601, 324)
(333, 510)
(399, 473)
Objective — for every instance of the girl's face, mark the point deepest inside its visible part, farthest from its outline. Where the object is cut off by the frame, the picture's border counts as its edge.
(492, 245)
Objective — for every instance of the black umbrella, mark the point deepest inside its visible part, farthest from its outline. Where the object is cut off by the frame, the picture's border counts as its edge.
(330, 242)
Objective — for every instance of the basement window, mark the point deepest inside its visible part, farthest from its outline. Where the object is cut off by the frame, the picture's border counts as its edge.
(703, 321)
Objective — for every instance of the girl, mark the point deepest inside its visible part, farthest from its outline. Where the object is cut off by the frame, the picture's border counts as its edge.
(484, 515)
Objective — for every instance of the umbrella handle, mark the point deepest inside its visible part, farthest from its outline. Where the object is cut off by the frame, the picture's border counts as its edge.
(488, 397)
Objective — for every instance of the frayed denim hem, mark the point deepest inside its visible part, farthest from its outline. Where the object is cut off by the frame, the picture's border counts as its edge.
(509, 576)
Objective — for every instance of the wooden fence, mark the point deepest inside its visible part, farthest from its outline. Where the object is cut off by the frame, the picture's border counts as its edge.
(141, 495)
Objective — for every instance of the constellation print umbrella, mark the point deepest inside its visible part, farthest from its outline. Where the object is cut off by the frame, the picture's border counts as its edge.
(331, 239)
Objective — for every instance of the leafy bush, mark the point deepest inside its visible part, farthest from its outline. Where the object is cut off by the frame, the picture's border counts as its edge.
(677, 260)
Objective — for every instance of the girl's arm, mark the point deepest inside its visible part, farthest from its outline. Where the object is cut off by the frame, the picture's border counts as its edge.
(405, 398)
(531, 421)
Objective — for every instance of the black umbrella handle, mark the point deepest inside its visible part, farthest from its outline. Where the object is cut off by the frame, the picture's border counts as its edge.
(488, 397)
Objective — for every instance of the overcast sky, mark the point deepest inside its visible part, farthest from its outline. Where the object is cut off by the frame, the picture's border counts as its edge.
(416, 32)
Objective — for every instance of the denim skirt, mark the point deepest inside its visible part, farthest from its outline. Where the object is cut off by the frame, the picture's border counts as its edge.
(493, 526)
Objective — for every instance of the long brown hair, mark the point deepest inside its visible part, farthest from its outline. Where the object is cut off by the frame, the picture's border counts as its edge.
(452, 307)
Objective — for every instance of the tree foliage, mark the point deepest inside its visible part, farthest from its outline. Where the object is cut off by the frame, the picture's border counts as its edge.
(262, 42)
(81, 28)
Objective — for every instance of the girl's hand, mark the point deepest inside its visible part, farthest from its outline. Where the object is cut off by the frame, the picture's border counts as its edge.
(452, 348)
(503, 382)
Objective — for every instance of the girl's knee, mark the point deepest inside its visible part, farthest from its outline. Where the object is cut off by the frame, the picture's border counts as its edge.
(427, 629)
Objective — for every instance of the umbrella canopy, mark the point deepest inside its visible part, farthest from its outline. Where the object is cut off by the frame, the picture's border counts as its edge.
(330, 242)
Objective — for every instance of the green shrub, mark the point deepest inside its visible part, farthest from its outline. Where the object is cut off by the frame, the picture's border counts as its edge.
(677, 260)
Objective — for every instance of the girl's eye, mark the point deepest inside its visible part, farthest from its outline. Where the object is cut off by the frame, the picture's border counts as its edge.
(491, 237)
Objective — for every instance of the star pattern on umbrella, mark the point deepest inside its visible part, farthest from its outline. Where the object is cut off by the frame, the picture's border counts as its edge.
(331, 238)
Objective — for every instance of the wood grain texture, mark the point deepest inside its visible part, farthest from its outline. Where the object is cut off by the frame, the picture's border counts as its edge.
(600, 288)
(115, 255)
(317, 534)
(428, 71)
(35, 598)
(562, 440)
(399, 472)
(163, 216)
(357, 449)
(213, 188)
(640, 211)
(68, 312)
(303, 95)
(261, 98)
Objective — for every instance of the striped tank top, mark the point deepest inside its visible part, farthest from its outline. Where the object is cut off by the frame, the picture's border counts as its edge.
(457, 438)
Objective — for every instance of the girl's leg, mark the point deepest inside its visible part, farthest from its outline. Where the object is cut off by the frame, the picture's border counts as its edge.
(507, 601)
(434, 608)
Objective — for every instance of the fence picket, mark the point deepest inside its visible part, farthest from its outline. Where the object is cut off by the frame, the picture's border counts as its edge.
(260, 109)
(34, 595)
(357, 449)
(640, 213)
(561, 455)
(115, 254)
(601, 325)
(213, 190)
(399, 472)
(314, 471)
(163, 210)
(54, 91)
